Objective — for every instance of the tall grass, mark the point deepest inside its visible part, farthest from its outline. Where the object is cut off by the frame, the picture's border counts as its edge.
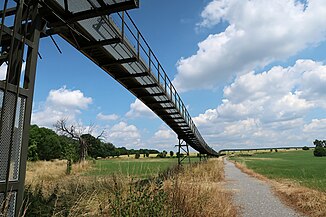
(195, 190)
(198, 191)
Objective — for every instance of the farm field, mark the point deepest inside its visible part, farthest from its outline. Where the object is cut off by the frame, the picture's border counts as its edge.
(299, 166)
(141, 168)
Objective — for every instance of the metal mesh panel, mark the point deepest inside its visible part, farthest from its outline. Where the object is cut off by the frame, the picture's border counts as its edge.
(5, 134)
(18, 139)
(76, 5)
(10, 210)
(1, 200)
(3, 160)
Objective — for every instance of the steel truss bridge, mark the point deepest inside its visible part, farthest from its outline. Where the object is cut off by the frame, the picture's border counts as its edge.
(104, 32)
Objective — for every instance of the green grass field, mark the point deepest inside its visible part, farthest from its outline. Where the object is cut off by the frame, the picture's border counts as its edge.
(142, 168)
(300, 166)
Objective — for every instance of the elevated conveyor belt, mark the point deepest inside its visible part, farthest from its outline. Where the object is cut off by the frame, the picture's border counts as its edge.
(112, 41)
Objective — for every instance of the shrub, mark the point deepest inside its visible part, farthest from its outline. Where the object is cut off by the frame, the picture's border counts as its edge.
(32, 152)
(305, 148)
(39, 204)
(162, 154)
(137, 155)
(319, 151)
(148, 199)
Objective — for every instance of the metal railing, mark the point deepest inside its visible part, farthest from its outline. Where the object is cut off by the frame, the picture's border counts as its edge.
(130, 32)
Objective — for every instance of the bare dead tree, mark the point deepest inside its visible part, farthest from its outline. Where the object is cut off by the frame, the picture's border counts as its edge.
(100, 137)
(76, 132)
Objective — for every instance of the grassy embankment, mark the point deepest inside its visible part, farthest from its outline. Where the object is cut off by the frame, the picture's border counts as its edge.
(299, 177)
(195, 190)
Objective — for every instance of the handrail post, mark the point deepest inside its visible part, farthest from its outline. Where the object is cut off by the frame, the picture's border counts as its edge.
(149, 59)
(138, 45)
(123, 26)
(158, 73)
(165, 82)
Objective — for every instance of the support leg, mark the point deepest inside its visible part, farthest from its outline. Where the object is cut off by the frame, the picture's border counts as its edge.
(183, 151)
(16, 96)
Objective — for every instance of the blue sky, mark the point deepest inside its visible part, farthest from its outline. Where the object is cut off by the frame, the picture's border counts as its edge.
(252, 74)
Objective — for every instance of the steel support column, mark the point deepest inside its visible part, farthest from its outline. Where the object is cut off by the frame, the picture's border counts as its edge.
(183, 151)
(19, 47)
(203, 157)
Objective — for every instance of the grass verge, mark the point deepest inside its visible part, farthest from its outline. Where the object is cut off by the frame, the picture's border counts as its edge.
(290, 187)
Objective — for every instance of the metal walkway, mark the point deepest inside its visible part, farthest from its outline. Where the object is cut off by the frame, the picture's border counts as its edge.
(116, 45)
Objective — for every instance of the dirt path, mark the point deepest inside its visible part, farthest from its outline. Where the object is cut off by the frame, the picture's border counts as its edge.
(254, 196)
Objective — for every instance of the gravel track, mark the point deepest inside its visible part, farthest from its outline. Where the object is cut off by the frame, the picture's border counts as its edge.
(253, 196)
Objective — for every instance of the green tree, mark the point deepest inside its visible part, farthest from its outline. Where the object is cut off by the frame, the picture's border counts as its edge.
(69, 149)
(32, 151)
(47, 143)
(305, 148)
(137, 155)
(171, 153)
(122, 150)
(50, 148)
(319, 151)
(319, 143)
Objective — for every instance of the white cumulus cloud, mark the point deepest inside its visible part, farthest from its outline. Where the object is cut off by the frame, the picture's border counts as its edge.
(60, 103)
(111, 117)
(259, 32)
(271, 108)
(316, 127)
(68, 98)
(123, 134)
(139, 109)
(164, 139)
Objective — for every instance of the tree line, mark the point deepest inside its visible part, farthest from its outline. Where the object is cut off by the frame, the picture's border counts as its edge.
(46, 144)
